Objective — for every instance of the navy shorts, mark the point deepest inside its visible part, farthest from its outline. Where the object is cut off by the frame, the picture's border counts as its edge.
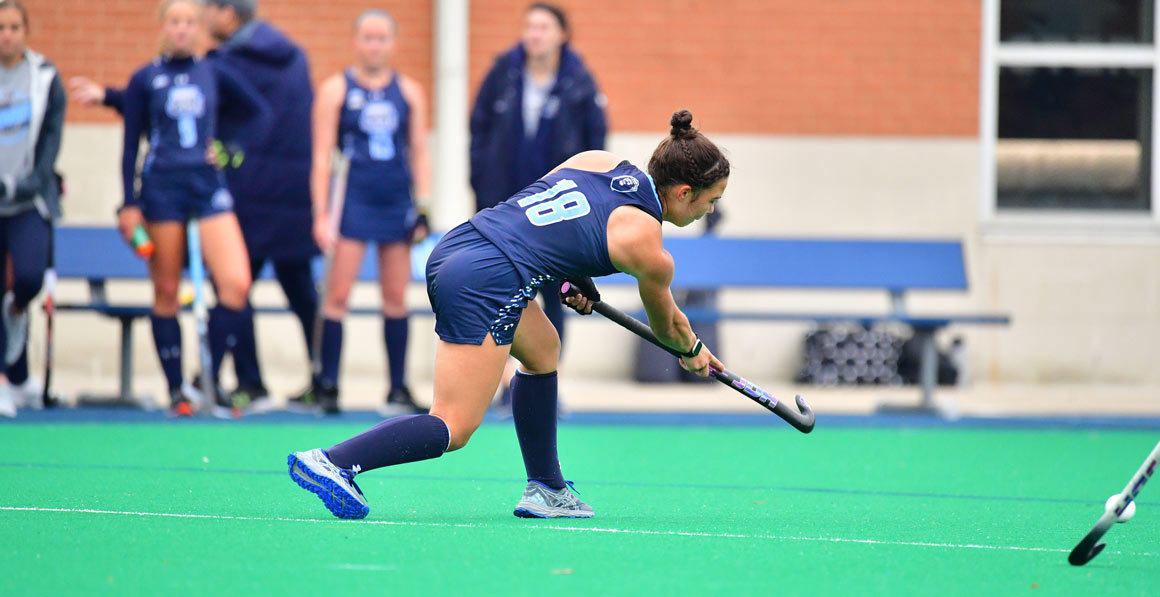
(475, 289)
(181, 194)
(376, 208)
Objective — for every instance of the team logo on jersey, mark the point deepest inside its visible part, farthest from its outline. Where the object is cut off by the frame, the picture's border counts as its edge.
(161, 81)
(185, 101)
(356, 99)
(378, 118)
(625, 184)
(222, 200)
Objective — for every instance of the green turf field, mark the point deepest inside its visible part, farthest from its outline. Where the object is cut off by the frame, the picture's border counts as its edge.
(208, 509)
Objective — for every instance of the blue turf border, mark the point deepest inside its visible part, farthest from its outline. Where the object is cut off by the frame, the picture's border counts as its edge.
(89, 415)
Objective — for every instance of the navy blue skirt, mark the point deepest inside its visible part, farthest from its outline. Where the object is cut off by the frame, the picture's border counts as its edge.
(475, 290)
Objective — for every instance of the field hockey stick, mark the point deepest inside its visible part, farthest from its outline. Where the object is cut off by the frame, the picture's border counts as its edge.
(201, 312)
(46, 397)
(1090, 546)
(802, 421)
(339, 169)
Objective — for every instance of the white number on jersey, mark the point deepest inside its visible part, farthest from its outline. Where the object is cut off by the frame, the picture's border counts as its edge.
(550, 206)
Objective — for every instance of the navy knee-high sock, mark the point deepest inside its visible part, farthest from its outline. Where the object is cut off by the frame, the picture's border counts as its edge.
(167, 339)
(331, 352)
(245, 351)
(230, 326)
(534, 412)
(394, 441)
(395, 337)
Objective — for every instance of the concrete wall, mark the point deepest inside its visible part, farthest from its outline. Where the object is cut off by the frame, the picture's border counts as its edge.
(1084, 310)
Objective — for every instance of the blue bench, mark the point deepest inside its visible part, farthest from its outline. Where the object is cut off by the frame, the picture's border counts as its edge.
(897, 267)
(98, 255)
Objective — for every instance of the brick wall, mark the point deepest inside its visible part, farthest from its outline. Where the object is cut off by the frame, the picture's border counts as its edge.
(855, 67)
(107, 40)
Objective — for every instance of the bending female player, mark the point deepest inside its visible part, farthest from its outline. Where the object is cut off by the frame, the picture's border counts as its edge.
(174, 100)
(591, 216)
(377, 117)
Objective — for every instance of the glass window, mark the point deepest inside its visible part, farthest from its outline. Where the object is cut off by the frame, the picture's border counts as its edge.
(1072, 138)
(1071, 21)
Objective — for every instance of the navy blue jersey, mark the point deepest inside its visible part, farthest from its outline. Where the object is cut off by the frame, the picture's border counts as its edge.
(558, 225)
(174, 102)
(373, 129)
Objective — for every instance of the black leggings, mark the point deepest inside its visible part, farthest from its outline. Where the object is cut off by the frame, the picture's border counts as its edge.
(25, 238)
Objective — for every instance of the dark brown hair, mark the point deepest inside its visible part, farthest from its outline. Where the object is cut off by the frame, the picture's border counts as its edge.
(687, 157)
(16, 5)
(557, 12)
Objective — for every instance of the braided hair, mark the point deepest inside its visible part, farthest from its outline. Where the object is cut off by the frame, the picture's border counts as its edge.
(687, 157)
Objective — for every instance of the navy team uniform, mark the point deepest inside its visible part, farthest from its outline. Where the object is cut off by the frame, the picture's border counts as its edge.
(482, 274)
(175, 101)
(373, 133)
(479, 279)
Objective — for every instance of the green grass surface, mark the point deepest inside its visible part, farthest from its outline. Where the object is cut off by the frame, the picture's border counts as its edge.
(680, 510)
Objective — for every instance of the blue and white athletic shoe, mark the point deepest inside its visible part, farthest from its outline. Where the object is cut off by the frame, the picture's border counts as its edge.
(314, 472)
(541, 501)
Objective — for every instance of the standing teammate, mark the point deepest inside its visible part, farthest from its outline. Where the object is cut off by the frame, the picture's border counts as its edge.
(269, 177)
(591, 216)
(32, 106)
(174, 101)
(377, 118)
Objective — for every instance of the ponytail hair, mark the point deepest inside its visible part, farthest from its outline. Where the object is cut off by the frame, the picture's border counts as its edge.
(687, 157)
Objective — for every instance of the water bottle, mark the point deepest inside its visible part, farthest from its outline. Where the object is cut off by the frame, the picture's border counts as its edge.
(141, 243)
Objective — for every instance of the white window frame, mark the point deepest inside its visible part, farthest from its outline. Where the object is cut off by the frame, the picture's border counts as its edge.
(1055, 224)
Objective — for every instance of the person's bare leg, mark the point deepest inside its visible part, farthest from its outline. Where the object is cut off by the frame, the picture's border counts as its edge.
(394, 274)
(534, 399)
(165, 273)
(344, 269)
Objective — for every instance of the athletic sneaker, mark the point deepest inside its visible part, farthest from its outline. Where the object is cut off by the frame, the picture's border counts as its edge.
(223, 406)
(317, 398)
(15, 326)
(7, 404)
(27, 394)
(541, 501)
(400, 402)
(252, 399)
(183, 401)
(314, 472)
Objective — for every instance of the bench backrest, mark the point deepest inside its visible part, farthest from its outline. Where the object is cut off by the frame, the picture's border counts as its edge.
(702, 262)
(99, 253)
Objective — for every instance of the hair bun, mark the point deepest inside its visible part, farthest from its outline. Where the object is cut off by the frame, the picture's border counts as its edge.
(682, 123)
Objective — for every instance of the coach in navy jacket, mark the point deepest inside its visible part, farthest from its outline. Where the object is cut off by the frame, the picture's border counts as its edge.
(273, 181)
(573, 120)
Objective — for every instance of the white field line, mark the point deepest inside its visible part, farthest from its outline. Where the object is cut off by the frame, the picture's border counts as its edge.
(453, 525)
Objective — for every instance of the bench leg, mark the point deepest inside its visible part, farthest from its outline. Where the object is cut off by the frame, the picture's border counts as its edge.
(928, 369)
(124, 395)
(126, 360)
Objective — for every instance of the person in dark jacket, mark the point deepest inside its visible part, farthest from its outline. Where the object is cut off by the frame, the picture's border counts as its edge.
(269, 178)
(537, 107)
(32, 107)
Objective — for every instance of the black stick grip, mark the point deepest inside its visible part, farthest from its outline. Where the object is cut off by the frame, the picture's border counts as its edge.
(802, 419)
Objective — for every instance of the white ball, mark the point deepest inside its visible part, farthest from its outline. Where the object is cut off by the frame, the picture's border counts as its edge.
(1128, 512)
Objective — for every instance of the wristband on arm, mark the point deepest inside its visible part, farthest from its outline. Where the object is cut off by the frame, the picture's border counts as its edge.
(694, 351)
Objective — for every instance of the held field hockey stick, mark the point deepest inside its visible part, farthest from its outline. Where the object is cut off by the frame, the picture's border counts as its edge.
(1090, 546)
(802, 421)
(339, 169)
(46, 397)
(201, 312)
